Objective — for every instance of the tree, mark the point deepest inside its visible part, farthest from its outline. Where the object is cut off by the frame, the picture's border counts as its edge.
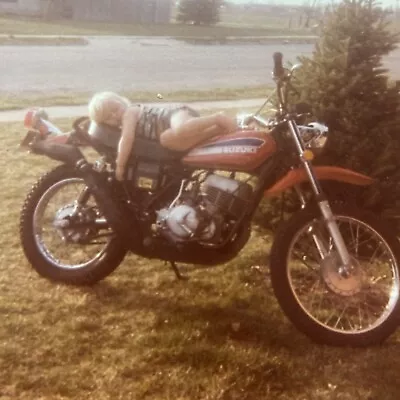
(206, 12)
(310, 9)
(347, 86)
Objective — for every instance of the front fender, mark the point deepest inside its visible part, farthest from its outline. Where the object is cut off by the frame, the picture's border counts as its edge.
(338, 174)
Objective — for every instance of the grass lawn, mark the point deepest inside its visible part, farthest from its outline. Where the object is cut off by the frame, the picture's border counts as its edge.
(12, 101)
(42, 41)
(141, 334)
(235, 27)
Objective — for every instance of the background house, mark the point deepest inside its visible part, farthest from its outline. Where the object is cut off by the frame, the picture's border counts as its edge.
(20, 6)
(135, 11)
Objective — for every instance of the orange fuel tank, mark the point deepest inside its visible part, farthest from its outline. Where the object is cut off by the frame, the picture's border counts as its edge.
(243, 150)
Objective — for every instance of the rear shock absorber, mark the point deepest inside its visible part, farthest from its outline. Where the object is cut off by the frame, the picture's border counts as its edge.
(124, 226)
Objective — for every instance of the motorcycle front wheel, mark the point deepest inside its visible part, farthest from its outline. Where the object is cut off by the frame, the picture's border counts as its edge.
(355, 306)
(64, 235)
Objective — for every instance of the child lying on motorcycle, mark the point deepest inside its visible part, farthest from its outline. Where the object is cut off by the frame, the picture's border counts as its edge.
(178, 128)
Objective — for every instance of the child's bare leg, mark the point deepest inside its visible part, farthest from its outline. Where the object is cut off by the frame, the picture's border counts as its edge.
(228, 123)
(187, 131)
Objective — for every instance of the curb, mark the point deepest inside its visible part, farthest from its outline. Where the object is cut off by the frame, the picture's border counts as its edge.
(78, 111)
(285, 39)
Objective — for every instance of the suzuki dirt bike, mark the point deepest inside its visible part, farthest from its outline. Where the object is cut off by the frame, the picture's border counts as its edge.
(334, 269)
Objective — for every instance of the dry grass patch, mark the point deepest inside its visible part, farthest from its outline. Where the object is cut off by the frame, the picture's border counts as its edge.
(141, 334)
(35, 26)
(12, 40)
(13, 101)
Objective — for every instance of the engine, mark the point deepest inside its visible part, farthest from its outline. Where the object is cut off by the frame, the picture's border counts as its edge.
(203, 214)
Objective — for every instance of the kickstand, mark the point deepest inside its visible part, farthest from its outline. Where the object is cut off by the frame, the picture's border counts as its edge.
(177, 272)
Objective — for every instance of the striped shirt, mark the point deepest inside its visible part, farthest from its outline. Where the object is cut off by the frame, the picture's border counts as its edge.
(155, 120)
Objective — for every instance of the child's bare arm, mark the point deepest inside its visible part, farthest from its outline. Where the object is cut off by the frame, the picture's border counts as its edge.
(127, 140)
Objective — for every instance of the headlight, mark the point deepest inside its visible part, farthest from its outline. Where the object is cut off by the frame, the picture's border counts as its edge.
(314, 135)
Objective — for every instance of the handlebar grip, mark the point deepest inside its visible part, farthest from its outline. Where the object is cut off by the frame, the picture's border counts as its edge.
(278, 65)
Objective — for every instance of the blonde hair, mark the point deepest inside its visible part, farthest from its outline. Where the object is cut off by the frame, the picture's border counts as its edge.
(104, 103)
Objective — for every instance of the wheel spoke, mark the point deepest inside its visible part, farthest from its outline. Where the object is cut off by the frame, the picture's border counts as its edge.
(63, 246)
(354, 303)
(303, 259)
(339, 318)
(313, 291)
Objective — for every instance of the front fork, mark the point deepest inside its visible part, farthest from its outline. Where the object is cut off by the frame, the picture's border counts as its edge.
(82, 199)
(323, 205)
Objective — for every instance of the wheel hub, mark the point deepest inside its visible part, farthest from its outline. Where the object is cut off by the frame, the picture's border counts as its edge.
(67, 221)
(342, 284)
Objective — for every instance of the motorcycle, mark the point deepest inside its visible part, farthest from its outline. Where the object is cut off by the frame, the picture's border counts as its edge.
(334, 268)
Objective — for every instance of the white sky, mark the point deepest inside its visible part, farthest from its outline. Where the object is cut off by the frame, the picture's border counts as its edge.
(383, 2)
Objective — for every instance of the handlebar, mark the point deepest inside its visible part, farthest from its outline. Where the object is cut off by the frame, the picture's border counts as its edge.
(278, 71)
(282, 77)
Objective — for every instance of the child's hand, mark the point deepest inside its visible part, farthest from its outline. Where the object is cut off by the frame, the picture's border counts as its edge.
(226, 122)
(119, 173)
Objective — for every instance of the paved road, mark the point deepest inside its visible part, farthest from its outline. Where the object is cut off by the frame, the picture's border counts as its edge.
(143, 64)
(137, 64)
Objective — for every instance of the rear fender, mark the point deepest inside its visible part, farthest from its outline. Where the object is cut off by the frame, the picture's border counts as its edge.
(60, 139)
(65, 153)
(322, 173)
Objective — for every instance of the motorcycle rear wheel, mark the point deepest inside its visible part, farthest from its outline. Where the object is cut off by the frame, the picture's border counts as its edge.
(62, 254)
(357, 309)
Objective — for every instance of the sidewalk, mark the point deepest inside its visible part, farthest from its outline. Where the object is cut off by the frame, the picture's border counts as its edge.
(174, 39)
(78, 111)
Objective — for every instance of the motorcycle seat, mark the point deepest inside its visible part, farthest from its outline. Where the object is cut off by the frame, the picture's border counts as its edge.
(108, 137)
